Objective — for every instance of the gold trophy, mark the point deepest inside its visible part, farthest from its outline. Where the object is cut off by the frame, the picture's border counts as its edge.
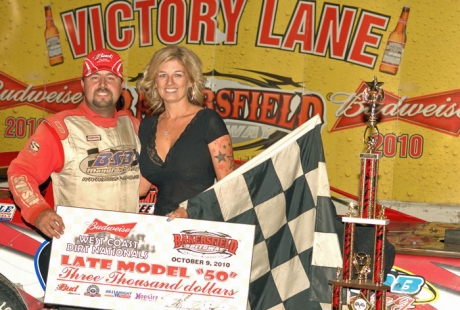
(362, 263)
(365, 213)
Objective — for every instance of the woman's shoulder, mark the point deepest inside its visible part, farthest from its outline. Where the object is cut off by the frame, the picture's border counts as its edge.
(148, 121)
(214, 124)
(209, 113)
(208, 118)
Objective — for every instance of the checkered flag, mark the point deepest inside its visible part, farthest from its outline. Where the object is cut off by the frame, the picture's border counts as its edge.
(284, 191)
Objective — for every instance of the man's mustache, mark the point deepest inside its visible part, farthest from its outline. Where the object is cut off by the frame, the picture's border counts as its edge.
(103, 90)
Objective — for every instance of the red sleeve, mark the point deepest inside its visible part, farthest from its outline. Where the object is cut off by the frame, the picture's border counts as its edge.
(42, 155)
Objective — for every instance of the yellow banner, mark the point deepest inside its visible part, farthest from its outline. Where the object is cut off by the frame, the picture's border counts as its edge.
(271, 65)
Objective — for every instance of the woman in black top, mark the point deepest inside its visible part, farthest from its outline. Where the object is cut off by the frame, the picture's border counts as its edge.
(185, 147)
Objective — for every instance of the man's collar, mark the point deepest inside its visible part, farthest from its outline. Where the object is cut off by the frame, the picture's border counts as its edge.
(97, 118)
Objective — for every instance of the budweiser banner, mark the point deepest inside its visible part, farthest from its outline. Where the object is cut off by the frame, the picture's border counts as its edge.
(271, 66)
(115, 260)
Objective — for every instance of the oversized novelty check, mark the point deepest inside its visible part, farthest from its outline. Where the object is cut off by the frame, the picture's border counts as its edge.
(114, 260)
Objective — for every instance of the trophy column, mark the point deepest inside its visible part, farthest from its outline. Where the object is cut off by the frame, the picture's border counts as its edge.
(359, 263)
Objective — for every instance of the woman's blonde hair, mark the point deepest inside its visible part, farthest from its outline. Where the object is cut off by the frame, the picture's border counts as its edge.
(192, 65)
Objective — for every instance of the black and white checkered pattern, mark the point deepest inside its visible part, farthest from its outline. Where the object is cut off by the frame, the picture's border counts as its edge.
(284, 191)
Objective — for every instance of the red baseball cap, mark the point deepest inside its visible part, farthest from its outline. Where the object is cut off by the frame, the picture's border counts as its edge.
(102, 59)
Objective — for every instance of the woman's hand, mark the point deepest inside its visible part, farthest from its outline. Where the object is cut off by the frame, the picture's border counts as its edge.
(178, 213)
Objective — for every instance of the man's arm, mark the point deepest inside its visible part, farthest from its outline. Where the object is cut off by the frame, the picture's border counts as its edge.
(41, 156)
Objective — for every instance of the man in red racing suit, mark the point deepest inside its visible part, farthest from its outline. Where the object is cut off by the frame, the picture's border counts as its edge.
(91, 152)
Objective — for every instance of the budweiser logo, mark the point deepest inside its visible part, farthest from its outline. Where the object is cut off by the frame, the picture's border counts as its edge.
(102, 56)
(54, 97)
(439, 112)
(121, 230)
(67, 288)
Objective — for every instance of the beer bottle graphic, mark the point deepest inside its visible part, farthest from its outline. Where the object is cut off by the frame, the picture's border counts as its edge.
(53, 44)
(395, 46)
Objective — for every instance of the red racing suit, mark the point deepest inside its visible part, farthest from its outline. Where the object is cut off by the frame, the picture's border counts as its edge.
(92, 161)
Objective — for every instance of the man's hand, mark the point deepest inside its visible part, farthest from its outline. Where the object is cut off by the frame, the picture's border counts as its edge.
(50, 223)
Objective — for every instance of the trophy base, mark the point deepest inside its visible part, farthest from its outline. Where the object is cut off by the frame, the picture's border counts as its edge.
(363, 285)
(366, 221)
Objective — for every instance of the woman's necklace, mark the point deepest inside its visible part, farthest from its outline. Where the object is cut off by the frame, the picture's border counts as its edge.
(167, 131)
